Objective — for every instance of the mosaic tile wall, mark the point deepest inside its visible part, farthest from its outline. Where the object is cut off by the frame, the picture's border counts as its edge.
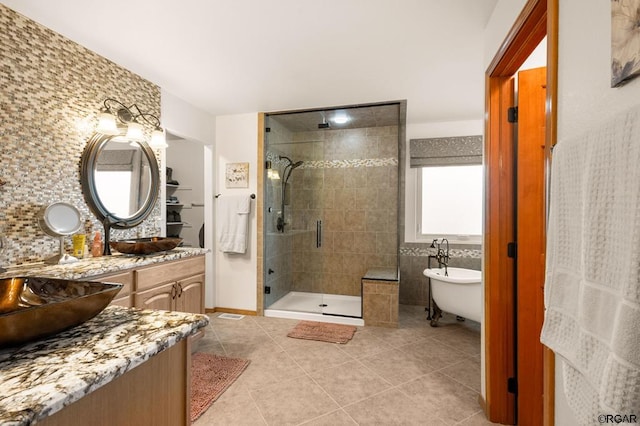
(52, 89)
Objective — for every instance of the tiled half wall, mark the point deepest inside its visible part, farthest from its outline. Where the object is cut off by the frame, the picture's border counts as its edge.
(52, 90)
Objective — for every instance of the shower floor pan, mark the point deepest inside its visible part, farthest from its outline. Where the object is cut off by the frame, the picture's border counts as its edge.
(339, 309)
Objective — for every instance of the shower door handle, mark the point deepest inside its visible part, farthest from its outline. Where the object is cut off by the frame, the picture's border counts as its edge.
(318, 233)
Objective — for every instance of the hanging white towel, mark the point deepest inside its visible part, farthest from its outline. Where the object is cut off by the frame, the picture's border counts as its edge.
(233, 217)
(592, 289)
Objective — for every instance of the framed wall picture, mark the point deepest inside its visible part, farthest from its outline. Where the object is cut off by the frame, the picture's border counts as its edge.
(625, 41)
(237, 175)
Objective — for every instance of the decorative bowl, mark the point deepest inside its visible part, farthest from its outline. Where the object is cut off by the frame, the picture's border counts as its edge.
(145, 245)
(32, 308)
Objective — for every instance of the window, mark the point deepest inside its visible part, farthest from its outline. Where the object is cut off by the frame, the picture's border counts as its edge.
(450, 202)
(114, 188)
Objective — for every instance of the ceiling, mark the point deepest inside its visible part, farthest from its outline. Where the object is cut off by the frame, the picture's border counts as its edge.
(239, 56)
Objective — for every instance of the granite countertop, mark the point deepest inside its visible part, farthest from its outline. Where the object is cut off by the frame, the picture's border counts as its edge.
(42, 377)
(91, 266)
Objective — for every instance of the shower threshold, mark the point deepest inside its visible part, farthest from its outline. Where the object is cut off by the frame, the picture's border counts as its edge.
(339, 309)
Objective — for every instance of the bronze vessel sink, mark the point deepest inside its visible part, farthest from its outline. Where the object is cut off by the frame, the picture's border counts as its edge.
(143, 246)
(32, 308)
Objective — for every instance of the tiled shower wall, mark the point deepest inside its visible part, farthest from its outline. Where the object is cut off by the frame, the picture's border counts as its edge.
(52, 90)
(349, 181)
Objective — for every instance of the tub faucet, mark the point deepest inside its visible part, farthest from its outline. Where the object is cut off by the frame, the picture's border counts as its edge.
(442, 255)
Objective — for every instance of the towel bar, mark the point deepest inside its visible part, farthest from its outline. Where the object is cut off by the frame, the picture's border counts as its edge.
(253, 196)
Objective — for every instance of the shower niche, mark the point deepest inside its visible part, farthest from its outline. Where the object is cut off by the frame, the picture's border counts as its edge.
(330, 208)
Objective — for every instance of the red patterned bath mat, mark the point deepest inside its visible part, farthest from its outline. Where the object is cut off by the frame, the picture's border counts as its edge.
(323, 331)
(211, 375)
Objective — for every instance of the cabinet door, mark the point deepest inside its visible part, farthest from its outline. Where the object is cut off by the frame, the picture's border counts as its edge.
(161, 298)
(122, 301)
(191, 295)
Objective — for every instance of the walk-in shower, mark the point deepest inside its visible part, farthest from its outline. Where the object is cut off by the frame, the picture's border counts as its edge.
(330, 208)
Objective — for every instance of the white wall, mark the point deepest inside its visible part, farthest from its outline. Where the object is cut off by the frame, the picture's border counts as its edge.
(584, 76)
(184, 120)
(186, 158)
(236, 274)
(502, 19)
(585, 95)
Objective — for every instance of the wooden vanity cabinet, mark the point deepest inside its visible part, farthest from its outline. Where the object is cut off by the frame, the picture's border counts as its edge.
(183, 295)
(171, 286)
(176, 286)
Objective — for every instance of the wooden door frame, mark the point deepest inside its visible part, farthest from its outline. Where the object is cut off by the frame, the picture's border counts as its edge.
(538, 18)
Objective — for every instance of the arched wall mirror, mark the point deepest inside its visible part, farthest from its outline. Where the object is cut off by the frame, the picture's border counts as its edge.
(120, 181)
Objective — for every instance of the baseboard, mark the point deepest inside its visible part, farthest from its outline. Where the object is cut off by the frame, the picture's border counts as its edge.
(483, 404)
(231, 311)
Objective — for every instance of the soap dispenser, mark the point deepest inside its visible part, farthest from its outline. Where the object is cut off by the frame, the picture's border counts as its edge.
(96, 246)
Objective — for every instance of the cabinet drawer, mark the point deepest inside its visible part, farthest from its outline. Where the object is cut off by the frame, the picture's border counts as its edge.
(170, 271)
(124, 278)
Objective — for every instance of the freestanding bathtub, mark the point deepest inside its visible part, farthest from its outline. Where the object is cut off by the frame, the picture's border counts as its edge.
(459, 293)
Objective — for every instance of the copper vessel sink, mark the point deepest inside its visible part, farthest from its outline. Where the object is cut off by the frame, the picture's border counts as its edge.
(145, 245)
(32, 308)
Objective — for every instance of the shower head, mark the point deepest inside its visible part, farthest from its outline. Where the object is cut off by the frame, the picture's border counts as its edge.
(289, 168)
(325, 124)
(282, 157)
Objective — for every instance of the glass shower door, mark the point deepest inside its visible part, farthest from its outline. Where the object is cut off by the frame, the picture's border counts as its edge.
(293, 206)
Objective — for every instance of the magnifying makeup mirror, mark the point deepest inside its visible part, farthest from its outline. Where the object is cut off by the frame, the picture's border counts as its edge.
(60, 220)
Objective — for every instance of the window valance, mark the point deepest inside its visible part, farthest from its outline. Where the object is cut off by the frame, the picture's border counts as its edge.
(449, 151)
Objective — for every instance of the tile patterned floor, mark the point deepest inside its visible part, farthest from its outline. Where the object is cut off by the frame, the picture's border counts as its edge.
(413, 375)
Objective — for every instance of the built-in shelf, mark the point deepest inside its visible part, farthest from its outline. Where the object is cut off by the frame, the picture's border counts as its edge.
(175, 228)
(183, 224)
(184, 188)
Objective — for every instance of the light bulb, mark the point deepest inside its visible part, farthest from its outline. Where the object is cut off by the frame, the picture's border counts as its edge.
(107, 124)
(135, 132)
(158, 139)
(340, 118)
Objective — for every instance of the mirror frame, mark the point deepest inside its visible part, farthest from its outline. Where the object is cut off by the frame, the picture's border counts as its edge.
(87, 180)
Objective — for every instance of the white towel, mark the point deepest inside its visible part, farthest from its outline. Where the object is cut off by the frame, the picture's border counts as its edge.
(592, 290)
(233, 217)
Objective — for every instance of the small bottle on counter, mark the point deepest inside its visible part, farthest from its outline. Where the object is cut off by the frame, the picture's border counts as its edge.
(78, 245)
(96, 246)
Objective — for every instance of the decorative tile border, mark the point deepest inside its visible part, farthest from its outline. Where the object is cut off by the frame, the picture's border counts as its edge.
(427, 251)
(348, 164)
(338, 164)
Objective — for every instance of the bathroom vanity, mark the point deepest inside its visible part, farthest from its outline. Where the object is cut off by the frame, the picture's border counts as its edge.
(124, 366)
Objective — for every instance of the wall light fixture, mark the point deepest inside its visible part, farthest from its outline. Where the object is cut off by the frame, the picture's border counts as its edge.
(114, 111)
